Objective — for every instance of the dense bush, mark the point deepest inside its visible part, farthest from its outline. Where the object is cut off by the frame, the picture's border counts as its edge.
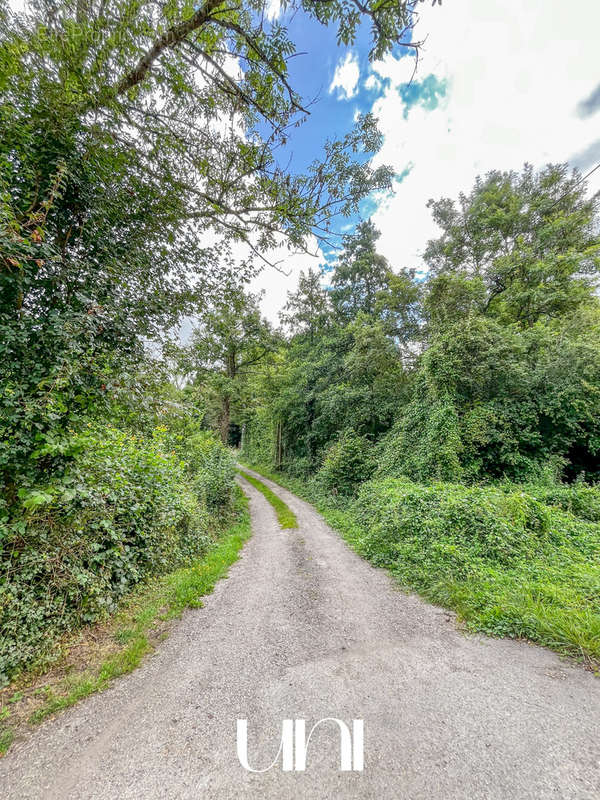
(348, 462)
(493, 402)
(124, 511)
(211, 468)
(257, 438)
(578, 499)
(491, 525)
(508, 561)
(425, 443)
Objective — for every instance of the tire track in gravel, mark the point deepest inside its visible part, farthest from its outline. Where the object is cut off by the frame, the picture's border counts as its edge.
(304, 628)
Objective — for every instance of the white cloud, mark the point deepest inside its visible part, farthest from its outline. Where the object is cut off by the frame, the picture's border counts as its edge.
(514, 83)
(345, 77)
(372, 83)
(276, 284)
(273, 9)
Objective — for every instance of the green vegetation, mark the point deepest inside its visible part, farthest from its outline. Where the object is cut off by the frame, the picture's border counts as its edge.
(233, 338)
(6, 739)
(122, 195)
(449, 425)
(489, 369)
(132, 633)
(449, 422)
(126, 509)
(510, 562)
(104, 224)
(285, 515)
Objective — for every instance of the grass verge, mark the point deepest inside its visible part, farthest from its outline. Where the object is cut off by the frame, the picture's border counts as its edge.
(517, 566)
(285, 515)
(95, 656)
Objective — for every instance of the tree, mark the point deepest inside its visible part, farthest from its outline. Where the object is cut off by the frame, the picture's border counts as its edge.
(522, 246)
(308, 310)
(399, 307)
(343, 366)
(133, 138)
(231, 338)
(360, 274)
(516, 401)
(487, 369)
(363, 283)
(193, 98)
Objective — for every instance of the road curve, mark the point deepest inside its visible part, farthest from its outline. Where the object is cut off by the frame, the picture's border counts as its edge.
(305, 629)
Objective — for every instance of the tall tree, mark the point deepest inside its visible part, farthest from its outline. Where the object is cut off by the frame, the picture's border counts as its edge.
(520, 246)
(360, 274)
(191, 97)
(231, 339)
(131, 134)
(308, 310)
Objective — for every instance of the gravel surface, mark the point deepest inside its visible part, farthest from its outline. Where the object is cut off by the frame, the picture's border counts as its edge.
(303, 628)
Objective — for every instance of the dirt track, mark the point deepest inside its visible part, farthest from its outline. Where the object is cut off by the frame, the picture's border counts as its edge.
(303, 628)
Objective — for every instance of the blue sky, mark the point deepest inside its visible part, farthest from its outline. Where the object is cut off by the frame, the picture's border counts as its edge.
(324, 75)
(498, 84)
(311, 74)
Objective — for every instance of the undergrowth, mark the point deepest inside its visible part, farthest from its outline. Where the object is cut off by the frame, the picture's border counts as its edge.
(128, 508)
(127, 637)
(516, 561)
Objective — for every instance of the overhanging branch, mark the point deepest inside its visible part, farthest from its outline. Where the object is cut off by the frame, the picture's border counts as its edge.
(169, 39)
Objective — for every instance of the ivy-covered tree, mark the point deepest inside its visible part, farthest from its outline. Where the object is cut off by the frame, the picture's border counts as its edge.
(343, 368)
(518, 403)
(485, 368)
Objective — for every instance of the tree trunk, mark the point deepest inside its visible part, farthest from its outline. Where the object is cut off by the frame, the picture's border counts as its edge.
(224, 420)
(231, 372)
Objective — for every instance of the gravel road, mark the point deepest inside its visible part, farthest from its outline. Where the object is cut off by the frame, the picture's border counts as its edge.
(303, 628)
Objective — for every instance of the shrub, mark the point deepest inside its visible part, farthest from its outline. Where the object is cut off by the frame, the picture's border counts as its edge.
(123, 512)
(489, 524)
(507, 560)
(425, 444)
(258, 438)
(347, 463)
(211, 467)
(579, 499)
